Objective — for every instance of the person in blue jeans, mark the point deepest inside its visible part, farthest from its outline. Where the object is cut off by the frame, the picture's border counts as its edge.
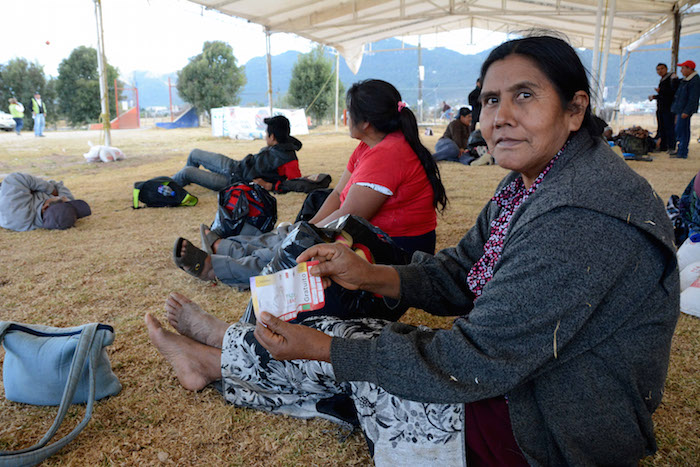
(453, 143)
(39, 114)
(685, 104)
(275, 163)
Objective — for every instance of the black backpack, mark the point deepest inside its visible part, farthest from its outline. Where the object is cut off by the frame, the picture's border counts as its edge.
(245, 205)
(159, 192)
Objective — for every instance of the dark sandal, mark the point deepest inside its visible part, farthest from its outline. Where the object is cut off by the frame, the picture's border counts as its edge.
(208, 239)
(193, 259)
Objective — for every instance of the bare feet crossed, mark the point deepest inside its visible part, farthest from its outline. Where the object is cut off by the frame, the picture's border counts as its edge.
(190, 320)
(195, 364)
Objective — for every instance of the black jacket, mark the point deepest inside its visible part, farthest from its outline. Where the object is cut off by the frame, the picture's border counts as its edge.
(667, 89)
(265, 163)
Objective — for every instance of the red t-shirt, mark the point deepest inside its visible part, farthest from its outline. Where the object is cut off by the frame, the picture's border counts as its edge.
(392, 164)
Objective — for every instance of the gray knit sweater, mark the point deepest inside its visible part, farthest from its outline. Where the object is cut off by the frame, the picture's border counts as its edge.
(575, 326)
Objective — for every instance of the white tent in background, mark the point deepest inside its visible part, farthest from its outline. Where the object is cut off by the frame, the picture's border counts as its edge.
(606, 26)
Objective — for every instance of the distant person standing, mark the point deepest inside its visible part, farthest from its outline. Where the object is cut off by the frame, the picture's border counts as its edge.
(446, 110)
(664, 98)
(39, 114)
(685, 104)
(475, 103)
(17, 112)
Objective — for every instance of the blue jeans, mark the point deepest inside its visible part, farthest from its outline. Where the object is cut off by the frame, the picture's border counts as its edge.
(39, 125)
(682, 135)
(446, 150)
(216, 177)
(19, 123)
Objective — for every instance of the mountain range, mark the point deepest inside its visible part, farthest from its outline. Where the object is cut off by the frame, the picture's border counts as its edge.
(449, 75)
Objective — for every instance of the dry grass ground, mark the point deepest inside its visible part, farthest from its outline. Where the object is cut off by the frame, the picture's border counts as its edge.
(116, 265)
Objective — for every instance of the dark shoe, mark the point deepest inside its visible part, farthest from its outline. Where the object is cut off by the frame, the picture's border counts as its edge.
(676, 156)
(192, 262)
(672, 153)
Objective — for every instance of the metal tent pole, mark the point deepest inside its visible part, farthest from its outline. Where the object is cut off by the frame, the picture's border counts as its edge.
(269, 68)
(610, 14)
(104, 98)
(596, 53)
(337, 86)
(624, 60)
(420, 82)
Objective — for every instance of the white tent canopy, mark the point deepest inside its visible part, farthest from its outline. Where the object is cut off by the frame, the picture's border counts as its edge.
(348, 25)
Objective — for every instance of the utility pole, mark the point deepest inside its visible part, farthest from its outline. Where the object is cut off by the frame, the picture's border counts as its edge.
(104, 98)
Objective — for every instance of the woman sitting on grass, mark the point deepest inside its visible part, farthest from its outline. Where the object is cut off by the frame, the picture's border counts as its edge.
(566, 292)
(391, 180)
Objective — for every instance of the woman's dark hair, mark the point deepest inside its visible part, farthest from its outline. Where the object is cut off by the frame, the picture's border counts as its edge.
(377, 102)
(557, 60)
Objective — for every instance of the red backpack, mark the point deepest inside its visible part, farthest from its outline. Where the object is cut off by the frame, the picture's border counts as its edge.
(244, 204)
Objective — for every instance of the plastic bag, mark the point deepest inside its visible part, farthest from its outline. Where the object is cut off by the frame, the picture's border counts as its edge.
(103, 153)
(688, 253)
(244, 209)
(690, 274)
(340, 302)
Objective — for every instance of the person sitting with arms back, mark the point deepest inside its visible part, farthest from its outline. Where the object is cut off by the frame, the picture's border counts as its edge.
(391, 180)
(275, 163)
(28, 202)
(561, 346)
(452, 146)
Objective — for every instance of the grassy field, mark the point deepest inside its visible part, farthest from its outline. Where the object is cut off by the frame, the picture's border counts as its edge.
(115, 266)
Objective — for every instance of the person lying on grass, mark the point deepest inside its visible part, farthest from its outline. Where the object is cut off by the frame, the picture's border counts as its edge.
(566, 293)
(28, 202)
(391, 180)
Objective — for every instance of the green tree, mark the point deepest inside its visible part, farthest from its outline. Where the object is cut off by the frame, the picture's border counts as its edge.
(212, 78)
(78, 86)
(20, 79)
(313, 84)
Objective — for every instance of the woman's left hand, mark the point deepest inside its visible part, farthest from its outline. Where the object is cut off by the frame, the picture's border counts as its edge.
(287, 341)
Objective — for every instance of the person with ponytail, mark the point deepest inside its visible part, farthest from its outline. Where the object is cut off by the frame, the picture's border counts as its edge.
(391, 180)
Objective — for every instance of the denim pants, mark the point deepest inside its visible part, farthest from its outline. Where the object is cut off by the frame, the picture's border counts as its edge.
(682, 135)
(39, 124)
(19, 123)
(446, 150)
(216, 177)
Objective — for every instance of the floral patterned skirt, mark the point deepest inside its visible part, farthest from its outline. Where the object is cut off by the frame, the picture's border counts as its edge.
(396, 429)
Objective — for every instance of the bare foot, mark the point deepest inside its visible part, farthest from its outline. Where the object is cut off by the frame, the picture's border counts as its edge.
(207, 273)
(190, 320)
(196, 365)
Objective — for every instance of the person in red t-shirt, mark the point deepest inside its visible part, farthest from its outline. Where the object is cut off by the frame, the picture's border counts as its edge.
(391, 180)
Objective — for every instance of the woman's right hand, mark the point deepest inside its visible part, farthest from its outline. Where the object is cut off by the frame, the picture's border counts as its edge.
(338, 263)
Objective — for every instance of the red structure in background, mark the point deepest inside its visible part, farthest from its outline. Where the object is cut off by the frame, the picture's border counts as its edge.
(126, 121)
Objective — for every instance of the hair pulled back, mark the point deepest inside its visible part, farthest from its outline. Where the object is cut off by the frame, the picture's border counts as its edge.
(557, 60)
(377, 102)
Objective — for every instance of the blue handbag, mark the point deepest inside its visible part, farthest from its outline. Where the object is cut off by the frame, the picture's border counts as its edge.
(46, 365)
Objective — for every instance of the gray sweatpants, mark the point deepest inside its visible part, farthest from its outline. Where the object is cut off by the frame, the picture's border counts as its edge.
(239, 258)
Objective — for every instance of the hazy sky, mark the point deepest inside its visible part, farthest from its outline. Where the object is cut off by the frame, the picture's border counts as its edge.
(154, 35)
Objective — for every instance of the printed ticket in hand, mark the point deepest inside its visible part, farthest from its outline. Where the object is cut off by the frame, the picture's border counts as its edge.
(287, 293)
